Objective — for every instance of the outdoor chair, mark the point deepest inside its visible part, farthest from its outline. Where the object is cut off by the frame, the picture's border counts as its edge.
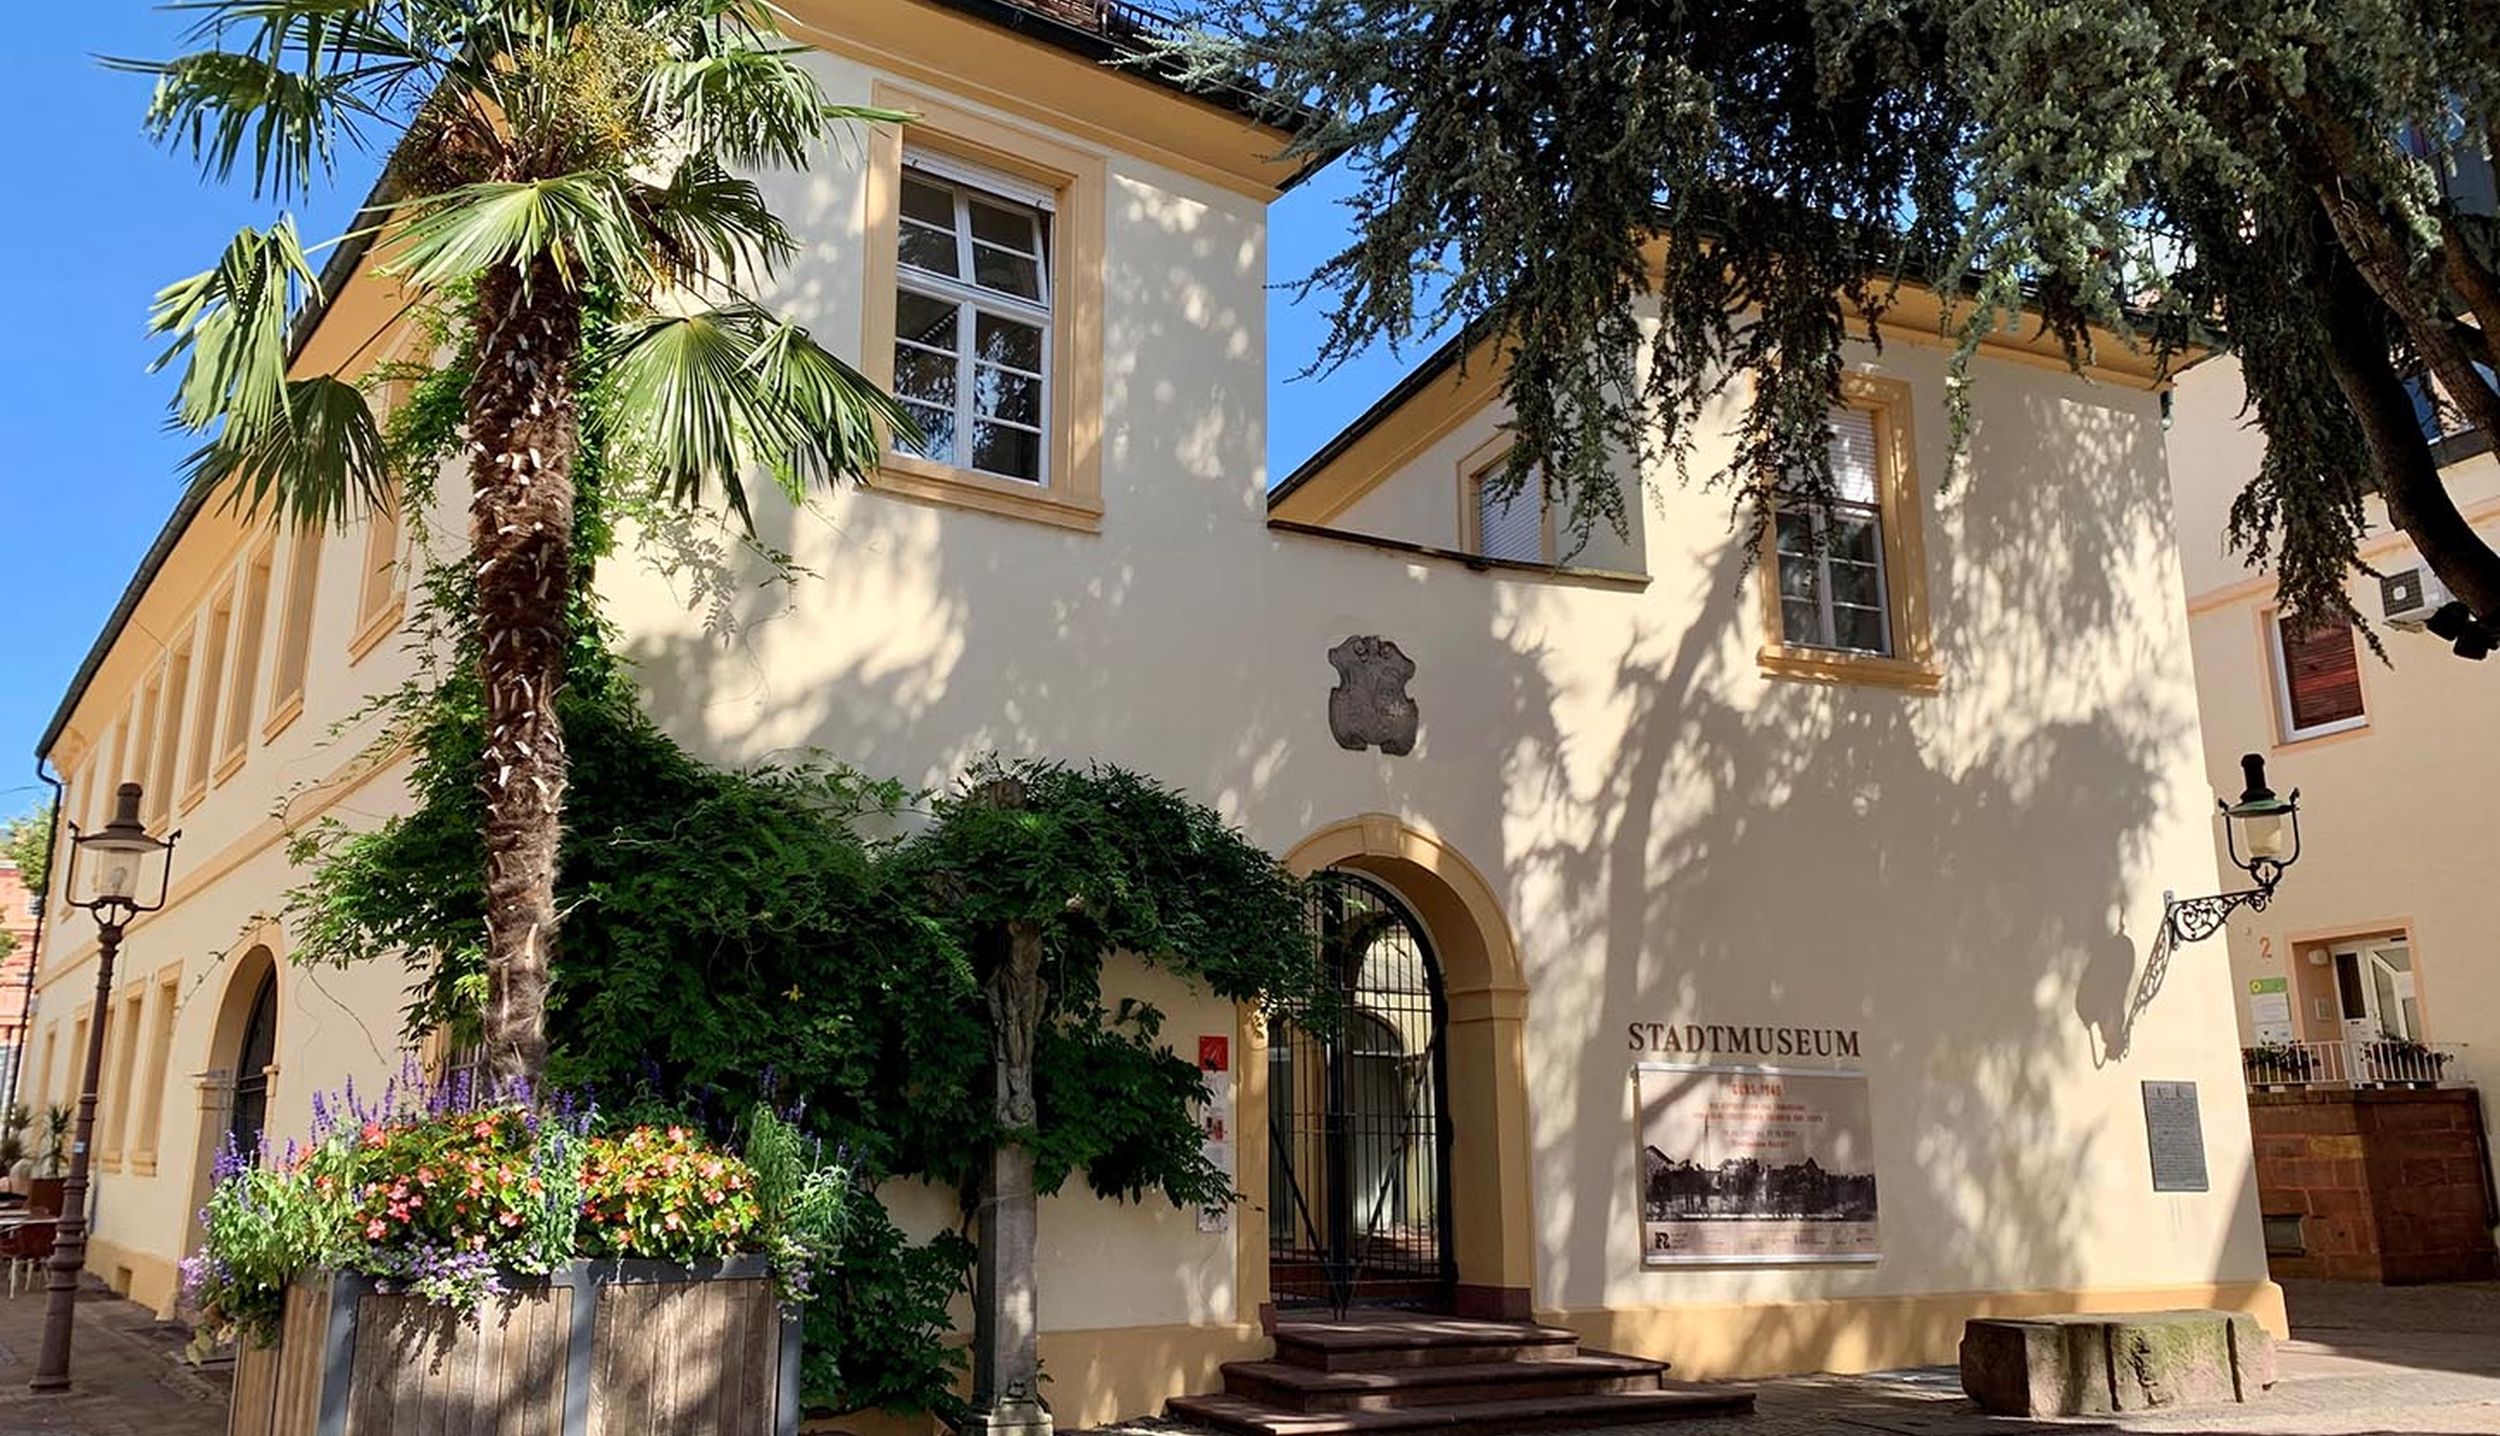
(24, 1248)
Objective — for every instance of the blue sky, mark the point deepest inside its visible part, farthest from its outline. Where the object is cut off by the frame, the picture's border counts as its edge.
(90, 468)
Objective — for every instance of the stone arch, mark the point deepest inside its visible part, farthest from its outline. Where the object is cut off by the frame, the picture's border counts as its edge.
(1487, 996)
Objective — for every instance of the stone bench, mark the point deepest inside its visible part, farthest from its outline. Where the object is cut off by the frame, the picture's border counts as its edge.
(2110, 1362)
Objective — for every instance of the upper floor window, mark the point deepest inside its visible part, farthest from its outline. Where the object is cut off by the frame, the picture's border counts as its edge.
(972, 316)
(984, 313)
(1831, 553)
(1518, 526)
(1846, 572)
(2317, 679)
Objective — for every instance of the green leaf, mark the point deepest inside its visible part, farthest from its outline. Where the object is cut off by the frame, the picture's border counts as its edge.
(698, 400)
(230, 326)
(580, 224)
(706, 218)
(306, 76)
(320, 460)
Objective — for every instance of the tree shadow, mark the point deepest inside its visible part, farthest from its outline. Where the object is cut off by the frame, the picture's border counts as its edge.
(1967, 878)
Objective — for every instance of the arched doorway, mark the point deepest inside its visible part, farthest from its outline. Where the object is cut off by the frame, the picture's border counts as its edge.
(1358, 1117)
(256, 1051)
(1484, 1063)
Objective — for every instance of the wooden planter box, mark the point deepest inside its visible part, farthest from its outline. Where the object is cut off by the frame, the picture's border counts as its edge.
(596, 1348)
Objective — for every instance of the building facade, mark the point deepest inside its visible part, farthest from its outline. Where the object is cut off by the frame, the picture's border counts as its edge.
(1888, 813)
(2369, 968)
(17, 962)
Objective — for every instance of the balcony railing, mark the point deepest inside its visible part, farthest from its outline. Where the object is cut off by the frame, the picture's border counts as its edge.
(2354, 1062)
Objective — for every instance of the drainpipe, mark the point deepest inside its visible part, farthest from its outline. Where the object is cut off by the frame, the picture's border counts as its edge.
(43, 912)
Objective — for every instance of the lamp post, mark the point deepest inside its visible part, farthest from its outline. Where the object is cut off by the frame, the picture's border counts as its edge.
(109, 870)
(2262, 833)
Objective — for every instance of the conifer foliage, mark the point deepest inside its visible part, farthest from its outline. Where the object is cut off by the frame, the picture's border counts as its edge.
(2300, 183)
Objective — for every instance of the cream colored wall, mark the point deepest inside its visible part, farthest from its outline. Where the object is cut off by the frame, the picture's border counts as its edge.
(230, 876)
(1427, 504)
(1971, 879)
(2392, 814)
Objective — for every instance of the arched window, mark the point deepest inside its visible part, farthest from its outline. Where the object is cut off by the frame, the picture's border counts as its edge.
(251, 1068)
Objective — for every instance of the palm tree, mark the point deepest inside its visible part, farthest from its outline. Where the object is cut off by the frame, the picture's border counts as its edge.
(566, 183)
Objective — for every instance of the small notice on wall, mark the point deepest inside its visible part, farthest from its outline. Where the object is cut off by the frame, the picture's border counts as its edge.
(2175, 1131)
(1744, 1165)
(1215, 1122)
(2270, 1009)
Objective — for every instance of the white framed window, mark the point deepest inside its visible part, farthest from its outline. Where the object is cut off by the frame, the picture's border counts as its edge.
(972, 316)
(2317, 679)
(1833, 590)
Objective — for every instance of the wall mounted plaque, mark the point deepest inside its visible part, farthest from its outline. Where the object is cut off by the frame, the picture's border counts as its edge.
(1369, 708)
(2175, 1130)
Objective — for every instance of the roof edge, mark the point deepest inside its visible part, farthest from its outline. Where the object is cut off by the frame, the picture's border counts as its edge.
(335, 274)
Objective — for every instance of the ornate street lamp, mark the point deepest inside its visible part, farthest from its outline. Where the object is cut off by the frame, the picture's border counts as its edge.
(2262, 833)
(110, 874)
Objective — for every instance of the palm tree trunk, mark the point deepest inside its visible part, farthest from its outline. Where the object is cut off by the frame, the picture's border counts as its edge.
(523, 429)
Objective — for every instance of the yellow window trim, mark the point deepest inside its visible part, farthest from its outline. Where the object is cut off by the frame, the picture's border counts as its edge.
(377, 626)
(288, 709)
(1102, 104)
(1073, 497)
(1912, 664)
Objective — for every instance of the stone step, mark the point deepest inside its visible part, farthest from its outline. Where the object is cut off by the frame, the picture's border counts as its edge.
(1238, 1416)
(1306, 1389)
(1370, 1342)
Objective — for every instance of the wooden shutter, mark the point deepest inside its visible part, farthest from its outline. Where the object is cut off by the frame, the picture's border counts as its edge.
(2321, 675)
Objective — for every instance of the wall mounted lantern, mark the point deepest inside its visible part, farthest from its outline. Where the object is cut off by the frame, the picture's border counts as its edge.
(2262, 833)
(116, 873)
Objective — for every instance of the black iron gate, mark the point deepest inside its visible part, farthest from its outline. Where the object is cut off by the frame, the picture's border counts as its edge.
(1358, 1125)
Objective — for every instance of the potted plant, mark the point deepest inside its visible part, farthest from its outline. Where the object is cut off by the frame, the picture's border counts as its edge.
(43, 1191)
(2404, 1062)
(13, 1124)
(525, 1249)
(2278, 1064)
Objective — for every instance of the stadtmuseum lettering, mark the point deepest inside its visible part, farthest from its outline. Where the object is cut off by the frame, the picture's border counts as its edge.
(1695, 1038)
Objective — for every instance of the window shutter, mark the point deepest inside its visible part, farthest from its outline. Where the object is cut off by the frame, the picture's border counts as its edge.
(2321, 674)
(1854, 478)
(982, 177)
(1512, 528)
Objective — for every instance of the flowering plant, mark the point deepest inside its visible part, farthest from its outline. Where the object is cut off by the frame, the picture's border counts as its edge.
(661, 1193)
(441, 1191)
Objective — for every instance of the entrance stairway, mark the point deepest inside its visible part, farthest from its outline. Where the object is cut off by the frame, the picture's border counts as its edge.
(1426, 1375)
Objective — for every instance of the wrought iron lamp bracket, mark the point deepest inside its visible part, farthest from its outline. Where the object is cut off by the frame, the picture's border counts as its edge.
(2196, 919)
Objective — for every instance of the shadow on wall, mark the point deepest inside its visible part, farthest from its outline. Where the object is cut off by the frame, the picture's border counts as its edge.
(1674, 836)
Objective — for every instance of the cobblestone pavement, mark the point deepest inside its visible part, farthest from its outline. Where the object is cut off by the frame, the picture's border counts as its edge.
(2363, 1360)
(128, 1376)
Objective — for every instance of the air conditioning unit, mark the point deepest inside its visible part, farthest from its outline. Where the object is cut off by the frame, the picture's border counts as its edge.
(2410, 596)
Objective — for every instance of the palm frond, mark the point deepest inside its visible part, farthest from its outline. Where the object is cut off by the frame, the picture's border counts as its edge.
(230, 326)
(319, 460)
(305, 76)
(706, 218)
(749, 101)
(580, 224)
(697, 401)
